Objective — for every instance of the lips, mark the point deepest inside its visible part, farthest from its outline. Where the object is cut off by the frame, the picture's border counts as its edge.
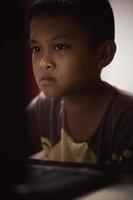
(47, 80)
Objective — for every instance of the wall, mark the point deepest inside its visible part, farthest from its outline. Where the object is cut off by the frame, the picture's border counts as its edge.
(120, 71)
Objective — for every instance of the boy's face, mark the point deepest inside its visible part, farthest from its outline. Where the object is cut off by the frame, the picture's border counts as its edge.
(64, 62)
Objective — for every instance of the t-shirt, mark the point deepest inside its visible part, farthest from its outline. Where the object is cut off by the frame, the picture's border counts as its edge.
(111, 144)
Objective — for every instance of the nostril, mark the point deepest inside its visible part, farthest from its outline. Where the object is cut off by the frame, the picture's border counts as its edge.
(49, 67)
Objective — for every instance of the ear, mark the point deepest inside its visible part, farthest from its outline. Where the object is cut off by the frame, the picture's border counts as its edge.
(106, 52)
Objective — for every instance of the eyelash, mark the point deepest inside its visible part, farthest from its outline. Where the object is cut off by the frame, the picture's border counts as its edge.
(35, 49)
(57, 47)
(61, 47)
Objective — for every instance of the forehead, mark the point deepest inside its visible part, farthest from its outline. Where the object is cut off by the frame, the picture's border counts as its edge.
(55, 25)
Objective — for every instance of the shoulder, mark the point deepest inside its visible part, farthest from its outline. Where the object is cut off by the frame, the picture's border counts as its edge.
(41, 115)
(37, 102)
(125, 97)
(122, 119)
(41, 104)
(42, 112)
(119, 126)
(122, 105)
(118, 121)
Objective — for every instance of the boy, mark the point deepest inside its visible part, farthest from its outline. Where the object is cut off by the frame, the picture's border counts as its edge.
(77, 117)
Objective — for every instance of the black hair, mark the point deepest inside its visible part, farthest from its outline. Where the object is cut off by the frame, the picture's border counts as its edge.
(95, 15)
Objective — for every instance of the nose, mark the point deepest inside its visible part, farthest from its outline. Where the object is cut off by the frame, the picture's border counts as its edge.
(47, 63)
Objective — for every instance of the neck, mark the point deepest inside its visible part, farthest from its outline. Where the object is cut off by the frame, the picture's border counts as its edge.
(85, 101)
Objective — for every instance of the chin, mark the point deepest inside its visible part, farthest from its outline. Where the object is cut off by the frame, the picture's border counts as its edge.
(57, 93)
(52, 94)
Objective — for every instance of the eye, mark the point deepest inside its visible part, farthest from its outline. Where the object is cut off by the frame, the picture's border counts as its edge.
(59, 47)
(35, 49)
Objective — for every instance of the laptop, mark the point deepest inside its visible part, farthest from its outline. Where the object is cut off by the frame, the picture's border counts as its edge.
(61, 180)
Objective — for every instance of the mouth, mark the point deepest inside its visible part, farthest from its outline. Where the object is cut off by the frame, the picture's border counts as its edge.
(47, 80)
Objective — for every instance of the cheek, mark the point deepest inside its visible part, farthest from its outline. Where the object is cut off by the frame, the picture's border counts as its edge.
(74, 66)
(80, 69)
(70, 71)
(35, 64)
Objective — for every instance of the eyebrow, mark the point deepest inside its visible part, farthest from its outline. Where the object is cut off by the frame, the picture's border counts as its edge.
(33, 41)
(62, 36)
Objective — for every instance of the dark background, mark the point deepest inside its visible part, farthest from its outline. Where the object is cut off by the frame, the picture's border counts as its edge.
(15, 91)
(31, 89)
